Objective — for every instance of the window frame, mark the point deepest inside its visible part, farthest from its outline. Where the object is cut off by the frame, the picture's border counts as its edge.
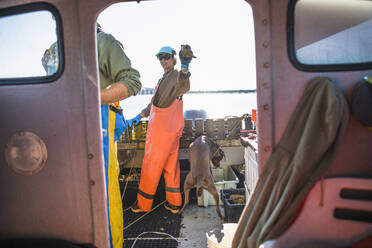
(313, 67)
(29, 8)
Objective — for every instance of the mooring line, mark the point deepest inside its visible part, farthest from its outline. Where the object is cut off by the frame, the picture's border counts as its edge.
(161, 233)
(129, 225)
(146, 213)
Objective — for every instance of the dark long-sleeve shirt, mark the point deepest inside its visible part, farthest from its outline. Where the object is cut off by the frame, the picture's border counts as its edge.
(172, 85)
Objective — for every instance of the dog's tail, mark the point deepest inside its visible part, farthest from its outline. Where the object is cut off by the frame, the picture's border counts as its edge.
(199, 184)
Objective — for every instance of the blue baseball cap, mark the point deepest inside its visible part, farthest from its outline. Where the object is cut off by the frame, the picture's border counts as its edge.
(167, 50)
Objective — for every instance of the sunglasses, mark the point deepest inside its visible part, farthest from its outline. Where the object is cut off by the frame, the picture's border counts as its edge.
(164, 56)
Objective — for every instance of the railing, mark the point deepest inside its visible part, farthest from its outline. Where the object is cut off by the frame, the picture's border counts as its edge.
(226, 132)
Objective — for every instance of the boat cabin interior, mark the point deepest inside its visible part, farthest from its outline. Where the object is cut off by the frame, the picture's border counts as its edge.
(306, 151)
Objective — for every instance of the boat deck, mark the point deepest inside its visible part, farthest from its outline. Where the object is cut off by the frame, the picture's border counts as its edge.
(196, 222)
(160, 228)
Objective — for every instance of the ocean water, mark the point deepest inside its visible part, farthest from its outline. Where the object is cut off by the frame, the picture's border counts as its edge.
(215, 105)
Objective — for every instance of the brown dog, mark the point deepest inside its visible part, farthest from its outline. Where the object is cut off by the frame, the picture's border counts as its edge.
(201, 152)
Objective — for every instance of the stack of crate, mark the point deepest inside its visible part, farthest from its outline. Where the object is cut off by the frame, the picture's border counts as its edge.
(217, 129)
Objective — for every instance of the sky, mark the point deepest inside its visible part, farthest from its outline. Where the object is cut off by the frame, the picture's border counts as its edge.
(220, 33)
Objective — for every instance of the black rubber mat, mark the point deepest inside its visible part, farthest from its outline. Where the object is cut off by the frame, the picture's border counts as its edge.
(151, 244)
(158, 220)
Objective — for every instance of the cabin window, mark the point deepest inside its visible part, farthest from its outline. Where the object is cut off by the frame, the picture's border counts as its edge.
(330, 35)
(30, 48)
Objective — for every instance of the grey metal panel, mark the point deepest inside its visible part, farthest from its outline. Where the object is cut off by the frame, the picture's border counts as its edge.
(265, 125)
(67, 198)
(280, 86)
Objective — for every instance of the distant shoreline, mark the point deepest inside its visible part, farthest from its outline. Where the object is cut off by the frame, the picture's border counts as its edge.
(220, 91)
(150, 91)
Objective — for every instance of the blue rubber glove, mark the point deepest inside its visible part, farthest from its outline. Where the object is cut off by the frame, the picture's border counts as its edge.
(120, 126)
(186, 56)
(134, 120)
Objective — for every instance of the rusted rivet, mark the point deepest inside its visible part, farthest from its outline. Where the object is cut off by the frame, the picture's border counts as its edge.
(266, 65)
(264, 22)
(265, 44)
(267, 148)
(265, 85)
(91, 182)
(90, 156)
(265, 106)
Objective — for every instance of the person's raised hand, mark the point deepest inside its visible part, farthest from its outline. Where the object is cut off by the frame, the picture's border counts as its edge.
(185, 55)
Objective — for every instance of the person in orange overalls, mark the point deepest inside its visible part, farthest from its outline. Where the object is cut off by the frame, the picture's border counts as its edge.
(164, 131)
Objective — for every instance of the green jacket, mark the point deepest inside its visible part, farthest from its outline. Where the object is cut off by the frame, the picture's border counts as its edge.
(114, 65)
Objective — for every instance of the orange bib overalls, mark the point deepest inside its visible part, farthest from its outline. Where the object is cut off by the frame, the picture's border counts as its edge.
(161, 154)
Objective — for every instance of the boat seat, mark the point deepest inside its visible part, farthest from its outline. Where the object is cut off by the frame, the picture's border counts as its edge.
(336, 213)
